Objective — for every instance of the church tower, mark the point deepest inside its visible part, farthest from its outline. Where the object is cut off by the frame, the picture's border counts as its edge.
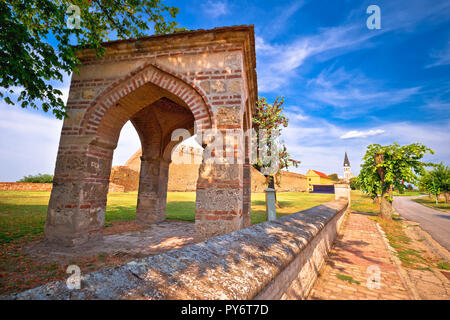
(347, 170)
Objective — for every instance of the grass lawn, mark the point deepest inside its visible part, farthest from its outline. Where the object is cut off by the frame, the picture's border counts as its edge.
(408, 193)
(441, 205)
(22, 214)
(362, 203)
(22, 219)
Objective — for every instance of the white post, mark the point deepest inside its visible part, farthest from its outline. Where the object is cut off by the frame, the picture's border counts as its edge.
(270, 204)
(342, 191)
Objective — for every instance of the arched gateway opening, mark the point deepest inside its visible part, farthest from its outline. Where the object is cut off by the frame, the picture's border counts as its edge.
(200, 82)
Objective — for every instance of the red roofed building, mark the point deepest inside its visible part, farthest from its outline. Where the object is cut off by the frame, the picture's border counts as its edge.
(317, 178)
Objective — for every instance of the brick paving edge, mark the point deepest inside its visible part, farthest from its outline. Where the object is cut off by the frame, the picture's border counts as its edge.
(408, 284)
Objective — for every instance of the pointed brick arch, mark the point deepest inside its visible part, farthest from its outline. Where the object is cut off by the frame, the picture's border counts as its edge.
(187, 93)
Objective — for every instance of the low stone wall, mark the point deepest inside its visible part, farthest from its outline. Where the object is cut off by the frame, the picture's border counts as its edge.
(23, 186)
(342, 191)
(272, 260)
(292, 182)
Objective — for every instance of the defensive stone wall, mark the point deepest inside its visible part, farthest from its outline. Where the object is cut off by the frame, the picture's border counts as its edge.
(289, 182)
(183, 177)
(273, 260)
(23, 186)
(183, 174)
(125, 177)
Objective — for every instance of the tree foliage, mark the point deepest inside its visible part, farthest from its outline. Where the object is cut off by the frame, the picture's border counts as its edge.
(354, 183)
(36, 41)
(389, 167)
(436, 181)
(334, 176)
(39, 178)
(268, 121)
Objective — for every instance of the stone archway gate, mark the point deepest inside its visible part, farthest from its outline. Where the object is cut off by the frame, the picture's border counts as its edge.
(202, 81)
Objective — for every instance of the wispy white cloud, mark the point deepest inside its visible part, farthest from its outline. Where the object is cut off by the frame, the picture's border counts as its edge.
(295, 113)
(281, 17)
(344, 90)
(440, 57)
(317, 143)
(279, 63)
(361, 134)
(215, 8)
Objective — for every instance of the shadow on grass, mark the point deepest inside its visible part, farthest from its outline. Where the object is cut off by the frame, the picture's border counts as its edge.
(120, 213)
(180, 210)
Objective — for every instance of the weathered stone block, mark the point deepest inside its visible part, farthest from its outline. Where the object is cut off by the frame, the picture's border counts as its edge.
(221, 171)
(218, 86)
(234, 86)
(205, 85)
(233, 60)
(212, 199)
(88, 93)
(228, 115)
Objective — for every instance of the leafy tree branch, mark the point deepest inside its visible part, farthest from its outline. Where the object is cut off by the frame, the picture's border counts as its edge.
(38, 46)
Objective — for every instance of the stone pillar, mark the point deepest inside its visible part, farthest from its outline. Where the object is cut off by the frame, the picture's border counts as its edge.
(152, 194)
(342, 191)
(246, 207)
(219, 201)
(270, 204)
(77, 206)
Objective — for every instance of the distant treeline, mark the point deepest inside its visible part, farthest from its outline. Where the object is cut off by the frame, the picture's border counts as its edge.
(38, 178)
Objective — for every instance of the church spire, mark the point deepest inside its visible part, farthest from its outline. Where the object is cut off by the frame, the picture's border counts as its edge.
(346, 162)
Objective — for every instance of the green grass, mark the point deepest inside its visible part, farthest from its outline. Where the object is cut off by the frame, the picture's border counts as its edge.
(444, 266)
(408, 193)
(431, 203)
(343, 277)
(22, 213)
(290, 202)
(363, 203)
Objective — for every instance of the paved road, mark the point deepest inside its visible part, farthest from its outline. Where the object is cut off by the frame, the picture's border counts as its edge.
(435, 222)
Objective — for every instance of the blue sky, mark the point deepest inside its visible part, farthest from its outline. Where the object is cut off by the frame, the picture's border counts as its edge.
(345, 86)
